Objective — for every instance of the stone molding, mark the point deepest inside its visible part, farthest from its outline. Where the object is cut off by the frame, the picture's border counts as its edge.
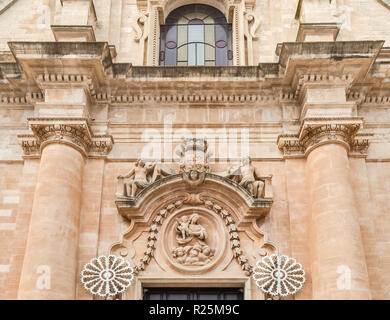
(29, 99)
(74, 132)
(318, 131)
(215, 98)
(302, 81)
(65, 80)
(317, 29)
(362, 98)
(257, 206)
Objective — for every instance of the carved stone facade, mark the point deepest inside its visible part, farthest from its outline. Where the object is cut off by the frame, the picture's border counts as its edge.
(193, 174)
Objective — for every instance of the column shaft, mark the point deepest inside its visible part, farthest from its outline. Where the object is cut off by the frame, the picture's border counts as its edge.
(50, 262)
(337, 256)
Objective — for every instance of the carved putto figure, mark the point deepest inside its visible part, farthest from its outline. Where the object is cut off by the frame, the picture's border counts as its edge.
(194, 178)
(191, 237)
(248, 177)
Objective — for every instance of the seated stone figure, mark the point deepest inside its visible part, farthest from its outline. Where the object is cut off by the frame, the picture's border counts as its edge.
(137, 178)
(248, 177)
(140, 177)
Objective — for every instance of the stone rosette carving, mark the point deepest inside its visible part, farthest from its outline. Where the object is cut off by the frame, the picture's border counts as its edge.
(279, 275)
(107, 276)
(317, 131)
(75, 132)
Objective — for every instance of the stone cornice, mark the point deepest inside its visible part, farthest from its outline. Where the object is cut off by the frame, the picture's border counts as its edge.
(40, 65)
(318, 131)
(29, 99)
(328, 50)
(43, 64)
(75, 132)
(189, 98)
(65, 80)
(302, 81)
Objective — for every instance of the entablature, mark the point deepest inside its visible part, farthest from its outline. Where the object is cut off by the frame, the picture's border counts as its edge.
(40, 65)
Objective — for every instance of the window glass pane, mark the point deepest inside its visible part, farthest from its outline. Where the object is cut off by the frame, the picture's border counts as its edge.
(182, 54)
(196, 47)
(195, 33)
(191, 54)
(220, 32)
(181, 40)
(200, 54)
(221, 56)
(170, 48)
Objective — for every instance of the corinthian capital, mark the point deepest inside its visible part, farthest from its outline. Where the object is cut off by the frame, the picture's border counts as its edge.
(317, 131)
(75, 132)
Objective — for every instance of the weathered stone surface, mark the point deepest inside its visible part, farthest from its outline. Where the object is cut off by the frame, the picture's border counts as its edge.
(82, 98)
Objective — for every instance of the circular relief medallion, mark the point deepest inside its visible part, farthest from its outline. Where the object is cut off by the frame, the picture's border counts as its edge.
(194, 239)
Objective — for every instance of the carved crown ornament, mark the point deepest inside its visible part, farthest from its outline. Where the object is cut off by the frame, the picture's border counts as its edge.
(318, 131)
(75, 132)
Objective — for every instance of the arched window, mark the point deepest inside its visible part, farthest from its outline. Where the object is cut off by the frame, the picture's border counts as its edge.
(196, 35)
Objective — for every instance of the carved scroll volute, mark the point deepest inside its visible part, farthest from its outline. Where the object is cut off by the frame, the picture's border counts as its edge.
(251, 24)
(141, 26)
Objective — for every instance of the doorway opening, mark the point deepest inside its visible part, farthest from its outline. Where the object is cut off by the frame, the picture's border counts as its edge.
(193, 294)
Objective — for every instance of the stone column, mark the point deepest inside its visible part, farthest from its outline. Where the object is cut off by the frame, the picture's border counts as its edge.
(338, 265)
(50, 263)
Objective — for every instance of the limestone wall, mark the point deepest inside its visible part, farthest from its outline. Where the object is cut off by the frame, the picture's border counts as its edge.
(141, 115)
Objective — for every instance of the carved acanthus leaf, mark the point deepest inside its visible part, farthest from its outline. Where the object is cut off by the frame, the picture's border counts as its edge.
(75, 132)
(317, 131)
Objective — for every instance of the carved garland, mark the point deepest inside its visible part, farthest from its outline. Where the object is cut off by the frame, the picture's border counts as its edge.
(194, 199)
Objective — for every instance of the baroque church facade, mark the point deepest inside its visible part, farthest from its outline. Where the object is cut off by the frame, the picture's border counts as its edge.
(230, 149)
